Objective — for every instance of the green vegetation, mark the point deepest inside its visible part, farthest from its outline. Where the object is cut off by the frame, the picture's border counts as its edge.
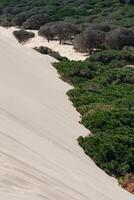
(60, 30)
(89, 38)
(23, 36)
(77, 11)
(50, 52)
(88, 25)
(104, 95)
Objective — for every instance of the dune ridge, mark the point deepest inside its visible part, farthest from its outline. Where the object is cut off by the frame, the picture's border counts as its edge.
(39, 154)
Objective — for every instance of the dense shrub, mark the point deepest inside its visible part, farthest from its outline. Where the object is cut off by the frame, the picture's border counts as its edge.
(131, 2)
(109, 121)
(113, 153)
(108, 56)
(20, 19)
(120, 37)
(73, 11)
(36, 21)
(6, 23)
(88, 40)
(47, 31)
(64, 31)
(23, 35)
(75, 69)
(61, 30)
(105, 27)
(104, 95)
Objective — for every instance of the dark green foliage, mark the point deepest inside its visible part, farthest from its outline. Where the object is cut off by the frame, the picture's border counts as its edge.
(23, 35)
(109, 56)
(105, 121)
(36, 21)
(131, 2)
(119, 37)
(75, 70)
(74, 11)
(104, 95)
(113, 153)
(20, 19)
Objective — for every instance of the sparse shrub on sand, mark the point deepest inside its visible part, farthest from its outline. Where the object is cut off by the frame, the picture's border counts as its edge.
(23, 36)
(50, 52)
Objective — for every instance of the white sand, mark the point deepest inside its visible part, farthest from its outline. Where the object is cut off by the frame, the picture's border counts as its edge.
(39, 155)
(64, 50)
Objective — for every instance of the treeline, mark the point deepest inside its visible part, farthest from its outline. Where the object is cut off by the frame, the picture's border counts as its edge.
(104, 95)
(34, 13)
(60, 30)
(75, 22)
(88, 37)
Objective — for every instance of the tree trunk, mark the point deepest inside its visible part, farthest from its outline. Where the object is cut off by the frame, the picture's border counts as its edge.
(60, 41)
(90, 51)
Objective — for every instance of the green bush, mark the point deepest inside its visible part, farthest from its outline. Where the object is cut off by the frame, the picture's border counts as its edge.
(36, 21)
(110, 56)
(46, 50)
(78, 69)
(119, 38)
(23, 35)
(113, 153)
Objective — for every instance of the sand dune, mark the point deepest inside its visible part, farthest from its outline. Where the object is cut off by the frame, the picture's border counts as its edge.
(39, 155)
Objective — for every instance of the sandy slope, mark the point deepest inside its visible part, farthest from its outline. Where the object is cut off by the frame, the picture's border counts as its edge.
(39, 155)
